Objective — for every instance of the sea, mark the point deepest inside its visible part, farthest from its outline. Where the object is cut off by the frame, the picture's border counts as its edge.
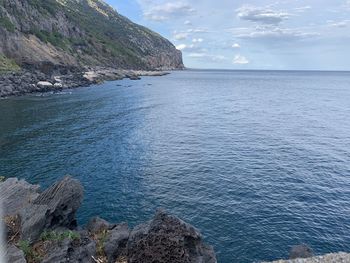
(258, 161)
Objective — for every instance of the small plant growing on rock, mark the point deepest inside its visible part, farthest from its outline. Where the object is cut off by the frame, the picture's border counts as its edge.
(31, 255)
(100, 238)
(56, 236)
(2, 178)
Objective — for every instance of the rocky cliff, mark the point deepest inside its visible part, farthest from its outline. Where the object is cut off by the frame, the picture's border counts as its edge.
(78, 33)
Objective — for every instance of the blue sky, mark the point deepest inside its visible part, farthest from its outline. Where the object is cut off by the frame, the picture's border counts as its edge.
(264, 34)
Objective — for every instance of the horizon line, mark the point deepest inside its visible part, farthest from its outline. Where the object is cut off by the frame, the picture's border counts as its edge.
(296, 70)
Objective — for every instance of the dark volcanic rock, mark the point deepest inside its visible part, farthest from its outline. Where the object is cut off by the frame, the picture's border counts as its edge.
(54, 208)
(73, 251)
(97, 224)
(116, 242)
(300, 251)
(165, 239)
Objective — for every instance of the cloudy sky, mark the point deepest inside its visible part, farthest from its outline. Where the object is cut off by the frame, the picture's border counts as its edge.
(237, 34)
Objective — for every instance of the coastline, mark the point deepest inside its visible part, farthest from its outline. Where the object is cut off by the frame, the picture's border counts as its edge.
(29, 81)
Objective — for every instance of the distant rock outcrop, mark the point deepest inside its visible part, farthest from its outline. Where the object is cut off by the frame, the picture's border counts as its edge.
(41, 227)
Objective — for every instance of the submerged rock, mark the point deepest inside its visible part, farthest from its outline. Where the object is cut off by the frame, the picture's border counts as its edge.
(165, 239)
(300, 251)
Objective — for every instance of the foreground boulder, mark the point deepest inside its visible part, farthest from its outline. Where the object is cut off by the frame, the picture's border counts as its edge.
(167, 238)
(54, 208)
(16, 194)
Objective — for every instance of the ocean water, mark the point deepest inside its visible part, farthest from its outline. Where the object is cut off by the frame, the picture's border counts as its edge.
(258, 161)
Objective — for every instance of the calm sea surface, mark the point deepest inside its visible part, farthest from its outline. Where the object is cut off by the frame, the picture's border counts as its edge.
(257, 160)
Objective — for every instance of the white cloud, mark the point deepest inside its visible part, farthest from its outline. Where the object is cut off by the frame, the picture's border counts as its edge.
(236, 45)
(261, 15)
(239, 59)
(197, 55)
(340, 24)
(206, 56)
(180, 36)
(197, 40)
(165, 11)
(302, 9)
(197, 30)
(277, 34)
(181, 46)
(191, 48)
(187, 23)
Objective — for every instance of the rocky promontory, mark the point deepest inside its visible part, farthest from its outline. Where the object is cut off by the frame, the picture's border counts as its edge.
(58, 79)
(41, 227)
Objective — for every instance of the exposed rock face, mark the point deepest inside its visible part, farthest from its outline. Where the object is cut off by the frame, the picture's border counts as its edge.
(168, 239)
(54, 208)
(16, 195)
(78, 33)
(48, 227)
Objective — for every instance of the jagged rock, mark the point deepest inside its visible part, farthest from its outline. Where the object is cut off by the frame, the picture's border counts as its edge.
(116, 242)
(97, 224)
(55, 207)
(15, 255)
(16, 195)
(165, 239)
(71, 251)
(300, 251)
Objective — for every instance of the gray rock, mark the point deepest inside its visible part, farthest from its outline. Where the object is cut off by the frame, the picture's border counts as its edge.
(116, 242)
(97, 224)
(165, 239)
(16, 195)
(300, 251)
(15, 255)
(54, 208)
(44, 84)
(71, 251)
(329, 258)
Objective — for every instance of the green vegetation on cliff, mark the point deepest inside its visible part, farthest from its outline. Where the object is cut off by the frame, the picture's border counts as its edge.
(6, 65)
(80, 33)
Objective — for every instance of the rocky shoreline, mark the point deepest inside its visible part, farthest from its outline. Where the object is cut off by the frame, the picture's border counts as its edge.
(41, 227)
(35, 81)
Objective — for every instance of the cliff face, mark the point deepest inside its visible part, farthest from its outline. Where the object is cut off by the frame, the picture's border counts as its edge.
(79, 33)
